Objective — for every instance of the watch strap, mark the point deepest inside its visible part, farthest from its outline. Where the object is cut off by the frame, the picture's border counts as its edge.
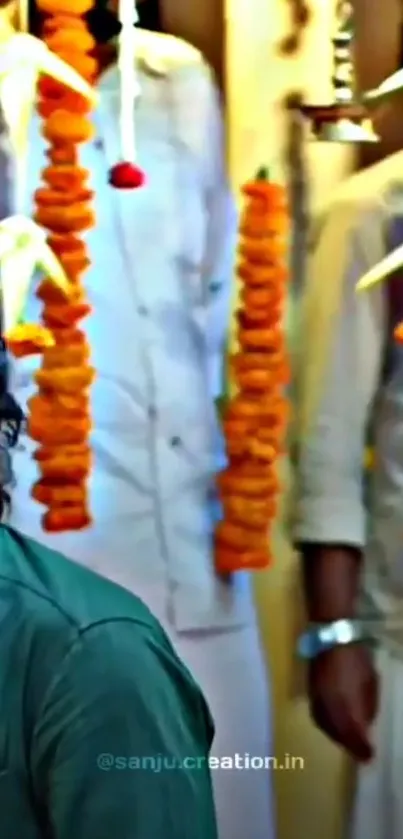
(320, 638)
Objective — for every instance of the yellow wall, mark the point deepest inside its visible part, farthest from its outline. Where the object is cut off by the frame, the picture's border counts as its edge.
(310, 802)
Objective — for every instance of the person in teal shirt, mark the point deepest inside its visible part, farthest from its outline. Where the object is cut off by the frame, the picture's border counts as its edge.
(103, 731)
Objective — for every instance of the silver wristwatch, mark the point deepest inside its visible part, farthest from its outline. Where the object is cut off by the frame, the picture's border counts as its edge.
(322, 637)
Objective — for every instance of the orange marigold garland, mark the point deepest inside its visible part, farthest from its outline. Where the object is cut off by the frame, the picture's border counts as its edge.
(59, 414)
(255, 419)
(398, 333)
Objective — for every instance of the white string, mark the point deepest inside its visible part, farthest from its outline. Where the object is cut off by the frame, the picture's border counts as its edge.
(128, 78)
(21, 163)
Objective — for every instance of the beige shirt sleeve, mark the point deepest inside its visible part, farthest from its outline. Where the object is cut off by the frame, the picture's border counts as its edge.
(338, 371)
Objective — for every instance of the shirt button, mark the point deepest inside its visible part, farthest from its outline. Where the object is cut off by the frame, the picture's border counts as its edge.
(152, 412)
(143, 311)
(99, 144)
(175, 442)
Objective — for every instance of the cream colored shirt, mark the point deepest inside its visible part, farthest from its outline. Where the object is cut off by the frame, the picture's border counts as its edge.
(342, 390)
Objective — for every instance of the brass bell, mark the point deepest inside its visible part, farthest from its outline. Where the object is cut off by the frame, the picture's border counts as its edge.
(342, 128)
(346, 119)
(346, 131)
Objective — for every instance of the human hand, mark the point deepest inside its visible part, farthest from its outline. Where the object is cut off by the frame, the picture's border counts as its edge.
(344, 696)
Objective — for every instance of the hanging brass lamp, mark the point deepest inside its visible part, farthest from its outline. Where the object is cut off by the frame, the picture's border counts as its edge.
(346, 119)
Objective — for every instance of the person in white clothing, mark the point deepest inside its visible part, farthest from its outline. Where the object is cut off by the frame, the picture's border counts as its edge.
(159, 286)
(349, 501)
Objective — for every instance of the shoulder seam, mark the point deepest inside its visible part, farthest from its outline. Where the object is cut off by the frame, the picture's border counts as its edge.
(81, 633)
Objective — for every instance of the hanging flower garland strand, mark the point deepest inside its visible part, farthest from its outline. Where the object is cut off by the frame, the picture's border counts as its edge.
(59, 414)
(255, 419)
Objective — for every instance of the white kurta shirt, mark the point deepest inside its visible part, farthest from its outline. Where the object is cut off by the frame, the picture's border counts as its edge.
(160, 290)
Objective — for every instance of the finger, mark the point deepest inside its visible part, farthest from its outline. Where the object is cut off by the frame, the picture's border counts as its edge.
(358, 741)
(353, 723)
(346, 728)
(362, 714)
(353, 739)
(371, 699)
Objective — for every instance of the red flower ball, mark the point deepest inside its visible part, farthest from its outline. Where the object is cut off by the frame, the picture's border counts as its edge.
(126, 175)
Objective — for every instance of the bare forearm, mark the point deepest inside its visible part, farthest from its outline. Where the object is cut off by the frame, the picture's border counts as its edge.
(331, 581)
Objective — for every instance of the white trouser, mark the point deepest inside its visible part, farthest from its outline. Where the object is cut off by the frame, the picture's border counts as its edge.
(378, 806)
(230, 669)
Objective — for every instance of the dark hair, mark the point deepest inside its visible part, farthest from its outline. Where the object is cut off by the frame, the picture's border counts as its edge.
(104, 25)
(11, 422)
(11, 415)
(102, 22)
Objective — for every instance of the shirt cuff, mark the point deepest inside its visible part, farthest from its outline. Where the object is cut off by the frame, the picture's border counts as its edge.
(329, 522)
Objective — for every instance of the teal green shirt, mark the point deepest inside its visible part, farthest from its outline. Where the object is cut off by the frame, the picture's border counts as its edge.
(103, 731)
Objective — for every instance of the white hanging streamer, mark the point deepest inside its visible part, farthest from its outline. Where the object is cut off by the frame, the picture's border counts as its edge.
(23, 15)
(23, 250)
(128, 78)
(21, 162)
